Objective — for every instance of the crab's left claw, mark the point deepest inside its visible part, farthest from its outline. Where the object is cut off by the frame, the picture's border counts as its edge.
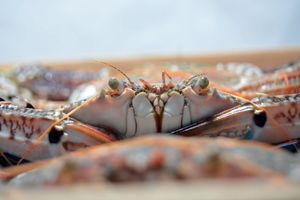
(40, 139)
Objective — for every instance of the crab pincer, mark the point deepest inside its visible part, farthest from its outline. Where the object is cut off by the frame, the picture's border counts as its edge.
(270, 119)
(33, 134)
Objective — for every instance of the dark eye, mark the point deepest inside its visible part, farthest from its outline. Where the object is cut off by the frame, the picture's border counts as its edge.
(113, 83)
(203, 82)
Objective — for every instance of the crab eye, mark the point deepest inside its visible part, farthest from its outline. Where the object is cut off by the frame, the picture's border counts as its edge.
(203, 82)
(113, 83)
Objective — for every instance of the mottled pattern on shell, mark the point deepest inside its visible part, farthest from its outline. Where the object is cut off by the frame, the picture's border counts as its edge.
(154, 158)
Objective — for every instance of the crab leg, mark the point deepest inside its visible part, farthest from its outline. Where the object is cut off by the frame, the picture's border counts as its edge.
(277, 121)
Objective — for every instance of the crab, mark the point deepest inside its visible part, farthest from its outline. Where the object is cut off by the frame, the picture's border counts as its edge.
(183, 104)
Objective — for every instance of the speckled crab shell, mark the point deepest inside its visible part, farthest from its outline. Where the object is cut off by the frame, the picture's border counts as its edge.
(162, 158)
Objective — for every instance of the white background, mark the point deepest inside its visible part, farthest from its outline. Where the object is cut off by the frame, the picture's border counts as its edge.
(32, 30)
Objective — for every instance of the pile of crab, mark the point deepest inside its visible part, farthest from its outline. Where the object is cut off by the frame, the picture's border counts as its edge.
(176, 122)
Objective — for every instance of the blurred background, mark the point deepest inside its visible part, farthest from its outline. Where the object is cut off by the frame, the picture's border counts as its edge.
(34, 30)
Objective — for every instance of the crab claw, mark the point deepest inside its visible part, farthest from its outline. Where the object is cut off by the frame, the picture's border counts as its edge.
(246, 122)
(231, 123)
(59, 140)
(32, 134)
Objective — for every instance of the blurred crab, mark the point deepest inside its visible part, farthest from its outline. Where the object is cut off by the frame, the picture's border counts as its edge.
(179, 103)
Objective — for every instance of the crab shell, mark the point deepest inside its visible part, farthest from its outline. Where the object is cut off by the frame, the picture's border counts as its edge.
(159, 157)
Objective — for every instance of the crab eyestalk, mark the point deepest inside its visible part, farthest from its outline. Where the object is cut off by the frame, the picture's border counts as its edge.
(113, 83)
(200, 85)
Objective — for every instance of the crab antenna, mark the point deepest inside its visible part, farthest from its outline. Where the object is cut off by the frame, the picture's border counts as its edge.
(116, 68)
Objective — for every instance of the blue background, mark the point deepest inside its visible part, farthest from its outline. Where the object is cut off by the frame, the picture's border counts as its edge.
(32, 30)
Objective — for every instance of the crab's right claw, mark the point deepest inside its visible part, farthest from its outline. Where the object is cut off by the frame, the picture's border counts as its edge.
(245, 122)
(231, 123)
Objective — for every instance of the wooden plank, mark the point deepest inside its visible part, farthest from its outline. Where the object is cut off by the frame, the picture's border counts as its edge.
(205, 189)
(271, 58)
(266, 59)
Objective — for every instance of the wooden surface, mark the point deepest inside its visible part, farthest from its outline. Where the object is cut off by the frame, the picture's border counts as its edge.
(271, 58)
(209, 189)
(266, 59)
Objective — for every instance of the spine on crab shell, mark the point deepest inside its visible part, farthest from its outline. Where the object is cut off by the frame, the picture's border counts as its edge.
(15, 110)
